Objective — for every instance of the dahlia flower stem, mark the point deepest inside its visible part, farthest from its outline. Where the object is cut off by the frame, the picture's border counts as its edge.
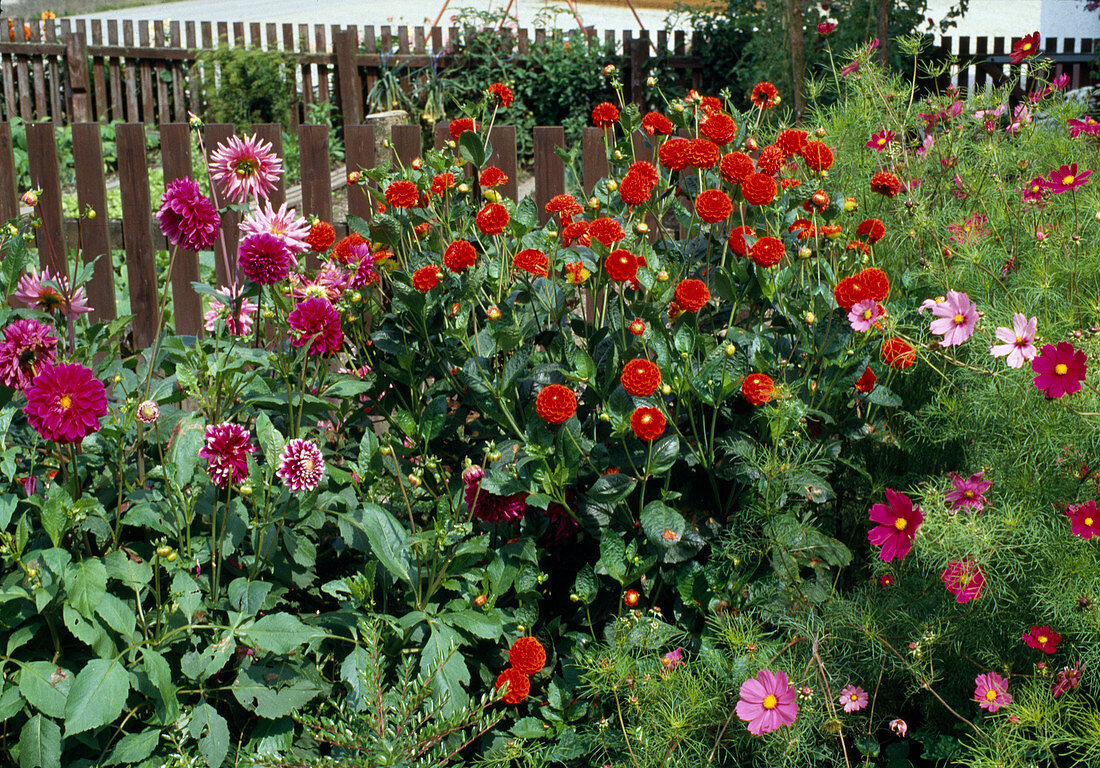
(622, 727)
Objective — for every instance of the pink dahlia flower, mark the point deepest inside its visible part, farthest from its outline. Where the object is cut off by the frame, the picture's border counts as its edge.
(187, 218)
(1084, 519)
(65, 403)
(245, 167)
(28, 347)
(1059, 369)
(49, 293)
(991, 692)
(490, 507)
(967, 492)
(1019, 341)
(897, 524)
(964, 579)
(955, 319)
(292, 230)
(301, 465)
(853, 698)
(264, 258)
(361, 263)
(239, 324)
(148, 411)
(864, 314)
(329, 282)
(226, 449)
(1066, 179)
(317, 323)
(767, 702)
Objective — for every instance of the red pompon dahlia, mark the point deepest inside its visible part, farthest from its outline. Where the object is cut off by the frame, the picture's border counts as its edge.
(692, 295)
(771, 159)
(871, 229)
(492, 219)
(317, 323)
(656, 124)
(533, 262)
(502, 93)
(28, 348)
(818, 156)
(187, 218)
(641, 377)
(735, 167)
(718, 127)
(885, 183)
(758, 388)
(459, 126)
(402, 194)
(648, 423)
(426, 278)
(459, 256)
(737, 242)
(607, 231)
(441, 182)
(565, 205)
(492, 177)
(264, 258)
(527, 655)
(321, 236)
(791, 140)
(713, 206)
(635, 190)
(767, 251)
(898, 353)
(674, 154)
(301, 465)
(644, 170)
(764, 95)
(517, 686)
(65, 403)
(759, 189)
(226, 449)
(556, 403)
(576, 232)
(605, 115)
(703, 153)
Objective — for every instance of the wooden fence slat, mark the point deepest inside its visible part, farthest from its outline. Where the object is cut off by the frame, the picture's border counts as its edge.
(57, 84)
(146, 70)
(7, 76)
(42, 156)
(238, 35)
(141, 267)
(593, 158)
(133, 114)
(346, 44)
(9, 197)
(95, 242)
(981, 50)
(370, 45)
(175, 149)
(322, 70)
(215, 134)
(179, 105)
(316, 179)
(273, 133)
(99, 80)
(549, 169)
(359, 151)
(163, 106)
(963, 79)
(1068, 45)
(76, 59)
(254, 38)
(406, 143)
(38, 67)
(25, 95)
(114, 74)
(307, 71)
(503, 156)
(292, 79)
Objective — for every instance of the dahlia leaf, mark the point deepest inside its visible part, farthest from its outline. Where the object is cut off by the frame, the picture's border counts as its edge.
(97, 696)
(40, 744)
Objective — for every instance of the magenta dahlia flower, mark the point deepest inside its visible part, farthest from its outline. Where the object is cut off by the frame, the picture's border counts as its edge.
(264, 258)
(897, 524)
(991, 692)
(1066, 179)
(767, 702)
(65, 403)
(1059, 369)
(964, 579)
(361, 264)
(1019, 341)
(27, 348)
(956, 317)
(967, 492)
(1084, 519)
(301, 465)
(46, 292)
(187, 218)
(292, 230)
(490, 507)
(245, 167)
(226, 449)
(853, 698)
(317, 323)
(239, 324)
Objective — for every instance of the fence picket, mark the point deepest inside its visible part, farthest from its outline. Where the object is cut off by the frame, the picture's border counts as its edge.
(42, 156)
(503, 156)
(359, 149)
(175, 146)
(9, 198)
(57, 84)
(93, 233)
(549, 169)
(316, 179)
(406, 143)
(141, 268)
(38, 68)
(99, 80)
(593, 158)
(273, 133)
(115, 73)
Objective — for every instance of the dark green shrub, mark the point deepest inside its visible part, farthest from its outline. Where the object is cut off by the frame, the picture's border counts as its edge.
(251, 86)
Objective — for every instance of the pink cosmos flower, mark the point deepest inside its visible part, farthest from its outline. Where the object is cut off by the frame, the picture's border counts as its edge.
(301, 465)
(959, 190)
(673, 659)
(317, 323)
(956, 318)
(227, 448)
(926, 145)
(28, 347)
(65, 403)
(853, 698)
(245, 167)
(1042, 639)
(972, 230)
(1059, 370)
(968, 492)
(1034, 189)
(964, 579)
(897, 524)
(1019, 341)
(1066, 179)
(490, 507)
(880, 140)
(864, 314)
(1020, 117)
(46, 292)
(1088, 126)
(1068, 679)
(292, 230)
(187, 218)
(850, 68)
(899, 726)
(991, 692)
(264, 258)
(218, 313)
(1084, 519)
(767, 702)
(1060, 82)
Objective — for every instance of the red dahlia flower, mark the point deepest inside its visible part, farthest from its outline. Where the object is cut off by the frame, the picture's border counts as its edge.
(492, 219)
(758, 388)
(527, 655)
(692, 295)
(459, 256)
(226, 448)
(517, 686)
(648, 423)
(426, 278)
(656, 124)
(713, 206)
(556, 403)
(605, 115)
(641, 377)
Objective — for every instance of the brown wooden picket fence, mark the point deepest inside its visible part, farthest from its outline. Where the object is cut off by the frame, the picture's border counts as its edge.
(138, 235)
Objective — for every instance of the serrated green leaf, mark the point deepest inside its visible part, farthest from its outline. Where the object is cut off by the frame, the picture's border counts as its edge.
(280, 633)
(121, 567)
(134, 747)
(478, 624)
(97, 696)
(40, 744)
(86, 584)
(117, 615)
(212, 733)
(45, 686)
(585, 586)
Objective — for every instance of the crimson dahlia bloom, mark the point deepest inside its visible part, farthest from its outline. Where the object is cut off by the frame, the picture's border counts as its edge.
(226, 449)
(264, 258)
(964, 579)
(1084, 519)
(897, 523)
(65, 403)
(1059, 369)
(490, 507)
(28, 348)
(316, 323)
(187, 218)
(767, 702)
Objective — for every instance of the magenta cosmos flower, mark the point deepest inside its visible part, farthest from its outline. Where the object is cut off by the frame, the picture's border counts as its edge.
(65, 403)
(292, 230)
(28, 347)
(1084, 519)
(245, 167)
(880, 140)
(955, 319)
(898, 521)
(853, 698)
(1059, 369)
(1067, 679)
(972, 230)
(46, 292)
(1088, 126)
(1066, 179)
(301, 465)
(239, 324)
(964, 579)
(864, 314)
(317, 323)
(767, 702)
(991, 692)
(1042, 639)
(1034, 190)
(673, 659)
(490, 507)
(227, 448)
(264, 258)
(1019, 341)
(187, 219)
(967, 492)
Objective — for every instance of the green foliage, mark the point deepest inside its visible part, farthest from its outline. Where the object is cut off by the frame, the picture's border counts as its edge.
(251, 86)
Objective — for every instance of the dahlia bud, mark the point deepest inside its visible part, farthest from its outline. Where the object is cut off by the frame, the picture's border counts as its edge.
(677, 107)
(472, 474)
(820, 199)
(850, 204)
(491, 195)
(171, 557)
(666, 389)
(30, 198)
(246, 489)
(463, 187)
(604, 416)
(385, 450)
(494, 455)
(552, 234)
(593, 203)
(637, 327)
(810, 318)
(164, 550)
(493, 313)
(480, 600)
(612, 186)
(819, 133)
(356, 297)
(148, 412)
(751, 145)
(417, 164)
(805, 253)
(194, 121)
(630, 599)
(90, 214)
(414, 481)
(574, 597)
(617, 155)
(662, 276)
(609, 70)
(731, 350)
(267, 314)
(641, 228)
(651, 82)
(353, 178)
